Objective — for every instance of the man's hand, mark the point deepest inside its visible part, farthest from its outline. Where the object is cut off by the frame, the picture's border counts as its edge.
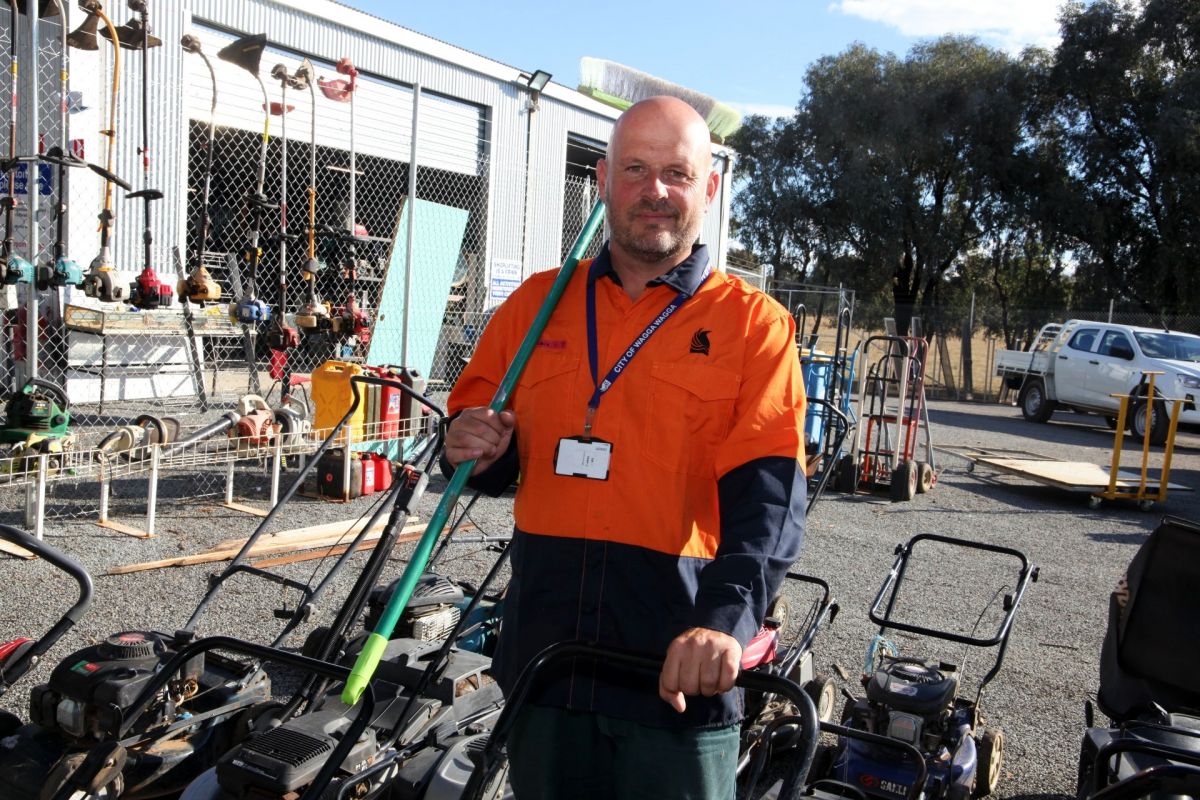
(479, 433)
(699, 661)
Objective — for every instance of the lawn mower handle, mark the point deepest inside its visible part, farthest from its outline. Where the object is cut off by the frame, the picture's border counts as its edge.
(236, 565)
(1028, 574)
(1157, 781)
(11, 673)
(1105, 754)
(912, 753)
(746, 679)
(373, 647)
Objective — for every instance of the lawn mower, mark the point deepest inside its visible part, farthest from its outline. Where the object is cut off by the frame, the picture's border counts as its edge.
(782, 649)
(19, 655)
(1149, 685)
(170, 718)
(434, 684)
(918, 701)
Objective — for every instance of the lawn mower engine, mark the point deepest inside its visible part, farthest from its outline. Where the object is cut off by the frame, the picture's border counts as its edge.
(911, 701)
(89, 690)
(148, 292)
(432, 611)
(88, 697)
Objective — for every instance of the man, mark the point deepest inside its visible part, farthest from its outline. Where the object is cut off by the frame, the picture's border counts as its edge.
(657, 430)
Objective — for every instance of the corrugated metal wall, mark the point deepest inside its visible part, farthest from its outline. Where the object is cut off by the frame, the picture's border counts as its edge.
(470, 108)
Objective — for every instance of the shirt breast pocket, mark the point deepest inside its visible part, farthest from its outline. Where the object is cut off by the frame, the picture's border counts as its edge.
(543, 402)
(689, 414)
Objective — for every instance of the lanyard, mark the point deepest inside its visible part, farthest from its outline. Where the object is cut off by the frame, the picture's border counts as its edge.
(602, 386)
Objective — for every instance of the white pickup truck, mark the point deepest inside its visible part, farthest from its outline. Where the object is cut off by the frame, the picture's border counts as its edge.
(1081, 365)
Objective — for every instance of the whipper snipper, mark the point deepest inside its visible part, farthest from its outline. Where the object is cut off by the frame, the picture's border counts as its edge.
(372, 651)
(100, 280)
(199, 286)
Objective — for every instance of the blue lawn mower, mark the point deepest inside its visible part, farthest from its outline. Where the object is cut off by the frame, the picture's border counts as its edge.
(918, 701)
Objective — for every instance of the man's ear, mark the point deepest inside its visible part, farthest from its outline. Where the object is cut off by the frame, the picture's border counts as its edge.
(601, 174)
(710, 190)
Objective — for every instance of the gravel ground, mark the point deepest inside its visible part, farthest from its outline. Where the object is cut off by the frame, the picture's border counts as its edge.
(1050, 668)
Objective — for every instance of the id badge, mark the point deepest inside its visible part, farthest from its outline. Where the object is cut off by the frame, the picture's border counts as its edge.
(577, 458)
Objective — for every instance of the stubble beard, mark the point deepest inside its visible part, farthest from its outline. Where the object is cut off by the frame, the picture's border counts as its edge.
(652, 247)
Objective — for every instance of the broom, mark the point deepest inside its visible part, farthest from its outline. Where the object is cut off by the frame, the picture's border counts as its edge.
(620, 86)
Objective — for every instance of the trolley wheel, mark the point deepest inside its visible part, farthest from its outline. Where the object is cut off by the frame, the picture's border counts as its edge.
(845, 479)
(904, 481)
(1145, 505)
(1035, 407)
(925, 477)
(1111, 422)
(1158, 420)
(990, 747)
(1093, 502)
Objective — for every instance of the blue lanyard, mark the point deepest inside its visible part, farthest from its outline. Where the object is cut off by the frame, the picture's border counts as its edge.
(602, 386)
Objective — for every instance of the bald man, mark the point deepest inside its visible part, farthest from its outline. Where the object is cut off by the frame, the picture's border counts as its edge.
(657, 431)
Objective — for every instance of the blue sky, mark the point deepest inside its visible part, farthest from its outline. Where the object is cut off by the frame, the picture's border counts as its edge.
(750, 54)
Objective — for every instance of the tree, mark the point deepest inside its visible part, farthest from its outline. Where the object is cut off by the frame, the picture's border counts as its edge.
(1128, 89)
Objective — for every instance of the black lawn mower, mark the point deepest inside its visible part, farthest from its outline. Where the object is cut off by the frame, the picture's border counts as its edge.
(169, 716)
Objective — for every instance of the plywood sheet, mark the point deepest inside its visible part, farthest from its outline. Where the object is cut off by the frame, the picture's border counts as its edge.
(1074, 475)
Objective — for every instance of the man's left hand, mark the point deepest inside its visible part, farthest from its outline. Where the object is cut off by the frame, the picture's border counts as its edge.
(699, 661)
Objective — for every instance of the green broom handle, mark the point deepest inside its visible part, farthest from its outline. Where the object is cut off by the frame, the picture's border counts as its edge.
(372, 652)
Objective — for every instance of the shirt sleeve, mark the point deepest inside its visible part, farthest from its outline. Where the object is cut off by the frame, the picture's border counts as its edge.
(761, 488)
(481, 377)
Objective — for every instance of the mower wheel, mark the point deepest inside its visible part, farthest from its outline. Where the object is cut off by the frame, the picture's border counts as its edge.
(312, 643)
(106, 785)
(925, 477)
(845, 478)
(824, 694)
(781, 611)
(904, 482)
(990, 750)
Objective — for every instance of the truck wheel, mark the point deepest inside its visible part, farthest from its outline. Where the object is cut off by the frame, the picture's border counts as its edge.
(1035, 407)
(904, 481)
(1158, 421)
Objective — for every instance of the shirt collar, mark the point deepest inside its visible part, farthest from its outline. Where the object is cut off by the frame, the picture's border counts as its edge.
(685, 277)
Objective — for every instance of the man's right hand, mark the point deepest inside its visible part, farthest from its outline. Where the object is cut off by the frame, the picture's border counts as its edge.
(481, 434)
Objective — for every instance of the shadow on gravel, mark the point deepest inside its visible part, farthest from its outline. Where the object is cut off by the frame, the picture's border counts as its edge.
(1119, 538)
(1064, 428)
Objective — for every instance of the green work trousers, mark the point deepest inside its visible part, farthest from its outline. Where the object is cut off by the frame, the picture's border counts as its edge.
(556, 754)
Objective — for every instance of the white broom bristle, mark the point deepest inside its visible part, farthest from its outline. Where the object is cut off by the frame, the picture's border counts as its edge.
(623, 86)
